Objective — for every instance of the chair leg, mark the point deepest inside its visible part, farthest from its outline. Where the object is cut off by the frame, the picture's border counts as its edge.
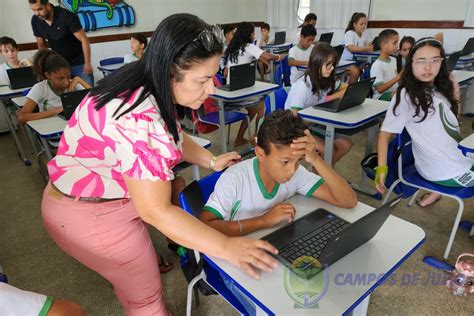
(248, 128)
(189, 298)
(390, 190)
(413, 198)
(455, 227)
(228, 136)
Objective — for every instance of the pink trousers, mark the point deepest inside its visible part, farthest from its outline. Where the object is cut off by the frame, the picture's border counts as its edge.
(111, 239)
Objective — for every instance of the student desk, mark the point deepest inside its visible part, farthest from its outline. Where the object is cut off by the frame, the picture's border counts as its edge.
(260, 88)
(52, 127)
(463, 76)
(340, 68)
(467, 148)
(466, 61)
(396, 240)
(276, 49)
(108, 69)
(366, 56)
(6, 92)
(357, 116)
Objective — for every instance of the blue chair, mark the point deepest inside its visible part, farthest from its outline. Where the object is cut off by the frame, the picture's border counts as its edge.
(281, 73)
(192, 200)
(108, 62)
(276, 100)
(408, 175)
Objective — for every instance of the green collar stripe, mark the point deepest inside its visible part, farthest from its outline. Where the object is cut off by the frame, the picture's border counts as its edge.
(266, 195)
(213, 211)
(296, 108)
(51, 87)
(47, 306)
(314, 187)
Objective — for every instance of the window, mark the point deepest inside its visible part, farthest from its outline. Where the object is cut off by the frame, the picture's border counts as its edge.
(303, 9)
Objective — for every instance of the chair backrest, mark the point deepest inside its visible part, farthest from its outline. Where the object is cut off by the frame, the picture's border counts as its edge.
(399, 156)
(276, 100)
(281, 73)
(111, 61)
(195, 195)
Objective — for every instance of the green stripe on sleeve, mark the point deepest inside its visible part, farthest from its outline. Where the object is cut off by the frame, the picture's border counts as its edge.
(47, 306)
(213, 211)
(297, 108)
(314, 187)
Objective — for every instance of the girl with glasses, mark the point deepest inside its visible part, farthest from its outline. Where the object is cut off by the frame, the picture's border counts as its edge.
(114, 166)
(317, 85)
(426, 104)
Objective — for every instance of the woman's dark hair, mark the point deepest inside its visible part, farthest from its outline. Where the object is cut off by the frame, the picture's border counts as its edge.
(308, 18)
(405, 39)
(281, 127)
(354, 19)
(174, 47)
(421, 93)
(47, 60)
(242, 36)
(228, 28)
(319, 55)
(8, 41)
(140, 38)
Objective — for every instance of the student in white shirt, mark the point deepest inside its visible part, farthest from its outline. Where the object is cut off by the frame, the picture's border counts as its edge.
(356, 39)
(318, 85)
(55, 75)
(384, 69)
(310, 18)
(9, 50)
(242, 51)
(138, 44)
(425, 103)
(406, 43)
(299, 54)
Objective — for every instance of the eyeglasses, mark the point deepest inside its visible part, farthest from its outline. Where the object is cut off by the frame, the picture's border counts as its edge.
(207, 37)
(329, 65)
(421, 62)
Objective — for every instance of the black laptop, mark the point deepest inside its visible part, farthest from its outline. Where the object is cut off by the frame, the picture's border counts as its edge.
(325, 237)
(355, 94)
(22, 77)
(326, 37)
(453, 60)
(339, 50)
(280, 38)
(70, 101)
(469, 47)
(241, 76)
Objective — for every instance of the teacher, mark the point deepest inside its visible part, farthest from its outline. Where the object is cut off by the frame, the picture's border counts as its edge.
(61, 30)
(113, 168)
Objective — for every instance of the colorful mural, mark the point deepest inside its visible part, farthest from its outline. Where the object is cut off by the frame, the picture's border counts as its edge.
(100, 14)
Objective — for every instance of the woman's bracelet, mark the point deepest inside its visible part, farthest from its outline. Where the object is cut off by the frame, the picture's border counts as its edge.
(241, 227)
(212, 163)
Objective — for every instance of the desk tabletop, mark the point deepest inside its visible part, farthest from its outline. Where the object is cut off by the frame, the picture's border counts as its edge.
(111, 67)
(201, 141)
(349, 118)
(19, 101)
(463, 76)
(270, 46)
(7, 91)
(378, 258)
(466, 58)
(376, 53)
(48, 127)
(258, 88)
(467, 144)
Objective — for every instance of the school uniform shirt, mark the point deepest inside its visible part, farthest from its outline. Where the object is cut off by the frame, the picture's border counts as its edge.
(4, 80)
(352, 38)
(384, 71)
(60, 34)
(14, 301)
(96, 149)
(250, 53)
(434, 141)
(43, 95)
(129, 58)
(300, 54)
(240, 194)
(301, 95)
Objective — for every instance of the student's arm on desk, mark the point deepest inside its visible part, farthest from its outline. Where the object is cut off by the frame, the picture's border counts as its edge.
(26, 113)
(152, 200)
(339, 93)
(356, 49)
(294, 62)
(283, 211)
(267, 57)
(335, 189)
(382, 87)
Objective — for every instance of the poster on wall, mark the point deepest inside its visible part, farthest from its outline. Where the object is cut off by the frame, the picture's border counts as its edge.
(100, 14)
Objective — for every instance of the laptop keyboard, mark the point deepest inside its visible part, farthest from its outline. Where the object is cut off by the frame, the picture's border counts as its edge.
(313, 243)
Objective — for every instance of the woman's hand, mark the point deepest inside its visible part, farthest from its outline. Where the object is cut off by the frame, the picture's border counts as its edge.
(305, 145)
(380, 175)
(226, 160)
(251, 255)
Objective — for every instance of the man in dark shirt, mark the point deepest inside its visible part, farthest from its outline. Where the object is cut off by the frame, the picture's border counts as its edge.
(61, 30)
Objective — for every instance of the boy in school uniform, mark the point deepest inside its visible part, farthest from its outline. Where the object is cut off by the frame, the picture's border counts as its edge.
(252, 194)
(264, 35)
(384, 69)
(9, 50)
(299, 54)
(138, 44)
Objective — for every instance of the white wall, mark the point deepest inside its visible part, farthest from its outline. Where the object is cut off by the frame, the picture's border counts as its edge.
(15, 15)
(418, 10)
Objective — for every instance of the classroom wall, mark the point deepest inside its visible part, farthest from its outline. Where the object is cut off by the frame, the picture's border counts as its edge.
(148, 14)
